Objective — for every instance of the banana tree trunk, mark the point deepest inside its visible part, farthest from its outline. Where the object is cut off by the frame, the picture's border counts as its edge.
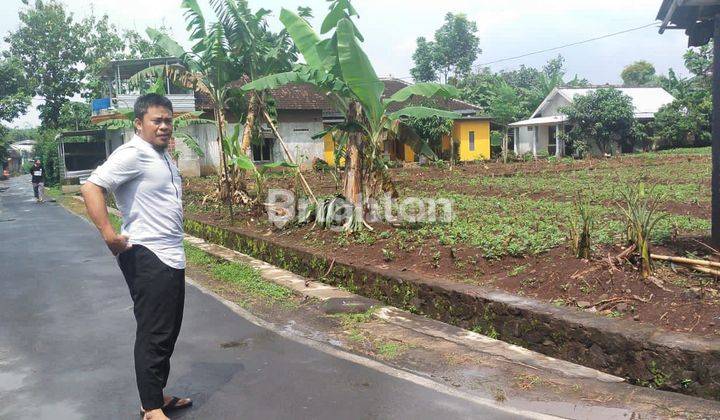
(249, 124)
(225, 192)
(352, 187)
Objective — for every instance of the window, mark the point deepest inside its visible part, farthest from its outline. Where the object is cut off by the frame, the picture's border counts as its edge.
(472, 141)
(262, 152)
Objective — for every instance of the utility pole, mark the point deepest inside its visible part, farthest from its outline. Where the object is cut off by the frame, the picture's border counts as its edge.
(716, 135)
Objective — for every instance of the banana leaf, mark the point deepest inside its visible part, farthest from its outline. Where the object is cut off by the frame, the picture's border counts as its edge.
(304, 36)
(427, 90)
(423, 112)
(358, 72)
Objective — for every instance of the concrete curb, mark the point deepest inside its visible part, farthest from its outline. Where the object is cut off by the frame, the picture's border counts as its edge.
(304, 287)
(642, 353)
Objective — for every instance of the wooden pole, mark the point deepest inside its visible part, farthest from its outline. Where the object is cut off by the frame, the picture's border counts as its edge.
(716, 136)
(306, 186)
(688, 261)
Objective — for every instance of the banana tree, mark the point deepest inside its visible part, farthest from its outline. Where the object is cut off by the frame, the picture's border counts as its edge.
(231, 49)
(338, 66)
(123, 119)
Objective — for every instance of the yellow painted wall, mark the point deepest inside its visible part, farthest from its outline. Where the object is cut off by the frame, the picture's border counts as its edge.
(409, 154)
(329, 150)
(461, 132)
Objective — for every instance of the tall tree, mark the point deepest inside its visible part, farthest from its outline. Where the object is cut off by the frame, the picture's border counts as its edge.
(425, 64)
(238, 46)
(14, 89)
(46, 44)
(479, 88)
(686, 121)
(339, 67)
(102, 44)
(75, 116)
(602, 118)
(504, 109)
(138, 46)
(451, 55)
(456, 46)
(639, 73)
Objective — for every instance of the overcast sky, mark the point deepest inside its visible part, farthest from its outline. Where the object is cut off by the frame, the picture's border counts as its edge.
(506, 28)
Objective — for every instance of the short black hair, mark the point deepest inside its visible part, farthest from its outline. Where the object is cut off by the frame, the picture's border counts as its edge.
(149, 100)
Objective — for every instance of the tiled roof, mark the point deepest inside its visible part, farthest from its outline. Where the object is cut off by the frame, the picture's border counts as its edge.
(300, 96)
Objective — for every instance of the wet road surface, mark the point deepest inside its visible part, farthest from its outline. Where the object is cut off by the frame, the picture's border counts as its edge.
(67, 330)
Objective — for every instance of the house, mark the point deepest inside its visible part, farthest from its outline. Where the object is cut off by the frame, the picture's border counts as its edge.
(302, 112)
(119, 94)
(541, 132)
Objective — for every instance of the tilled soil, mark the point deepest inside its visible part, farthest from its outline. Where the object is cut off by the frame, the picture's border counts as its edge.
(688, 302)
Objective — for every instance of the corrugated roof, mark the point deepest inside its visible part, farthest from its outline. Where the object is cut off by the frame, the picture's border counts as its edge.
(646, 100)
(555, 119)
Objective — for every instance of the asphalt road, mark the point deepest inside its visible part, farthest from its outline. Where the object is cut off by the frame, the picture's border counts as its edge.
(67, 330)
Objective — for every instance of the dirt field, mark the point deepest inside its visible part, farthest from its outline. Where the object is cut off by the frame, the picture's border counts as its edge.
(510, 232)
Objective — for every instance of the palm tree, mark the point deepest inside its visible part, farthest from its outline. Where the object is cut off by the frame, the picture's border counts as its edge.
(339, 67)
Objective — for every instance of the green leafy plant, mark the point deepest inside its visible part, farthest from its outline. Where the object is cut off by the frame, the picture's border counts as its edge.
(260, 172)
(339, 67)
(238, 46)
(581, 225)
(640, 206)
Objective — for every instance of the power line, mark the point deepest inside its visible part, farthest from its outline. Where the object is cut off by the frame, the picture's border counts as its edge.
(568, 45)
(558, 47)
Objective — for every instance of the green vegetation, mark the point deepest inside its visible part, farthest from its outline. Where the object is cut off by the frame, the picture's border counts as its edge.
(528, 214)
(115, 221)
(241, 276)
(390, 349)
(581, 226)
(352, 320)
(640, 206)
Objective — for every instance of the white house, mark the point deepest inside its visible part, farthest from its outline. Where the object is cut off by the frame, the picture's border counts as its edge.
(541, 131)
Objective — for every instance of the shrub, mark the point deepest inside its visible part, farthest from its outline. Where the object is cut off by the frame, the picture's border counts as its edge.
(640, 207)
(581, 224)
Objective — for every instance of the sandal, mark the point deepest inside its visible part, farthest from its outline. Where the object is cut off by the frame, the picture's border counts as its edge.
(172, 405)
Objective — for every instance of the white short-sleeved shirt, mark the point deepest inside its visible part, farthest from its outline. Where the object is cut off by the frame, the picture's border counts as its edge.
(148, 191)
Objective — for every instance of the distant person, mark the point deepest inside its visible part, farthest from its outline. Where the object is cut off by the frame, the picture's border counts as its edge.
(38, 181)
(149, 250)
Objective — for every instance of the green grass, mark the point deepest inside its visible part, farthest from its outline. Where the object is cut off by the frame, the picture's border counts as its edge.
(390, 349)
(54, 191)
(241, 276)
(115, 221)
(352, 320)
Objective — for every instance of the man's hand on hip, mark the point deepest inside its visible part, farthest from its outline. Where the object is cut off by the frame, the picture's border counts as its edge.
(118, 243)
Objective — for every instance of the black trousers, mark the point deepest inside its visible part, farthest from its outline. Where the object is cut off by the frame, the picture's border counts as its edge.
(158, 294)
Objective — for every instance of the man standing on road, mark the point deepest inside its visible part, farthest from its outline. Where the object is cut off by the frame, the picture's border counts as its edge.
(38, 181)
(149, 250)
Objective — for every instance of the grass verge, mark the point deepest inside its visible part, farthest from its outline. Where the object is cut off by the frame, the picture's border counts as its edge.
(242, 277)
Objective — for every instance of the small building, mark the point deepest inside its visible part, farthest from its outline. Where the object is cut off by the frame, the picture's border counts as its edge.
(118, 94)
(303, 112)
(540, 133)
